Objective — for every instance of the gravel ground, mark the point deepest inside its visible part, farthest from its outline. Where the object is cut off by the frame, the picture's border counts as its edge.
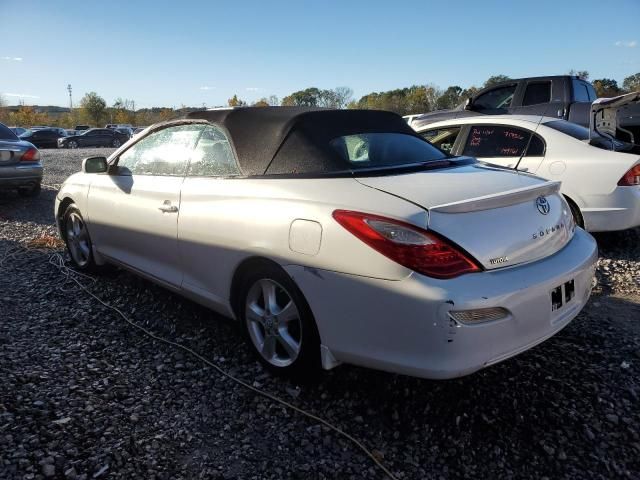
(83, 395)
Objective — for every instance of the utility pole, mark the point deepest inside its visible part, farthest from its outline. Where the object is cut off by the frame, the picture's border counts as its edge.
(70, 103)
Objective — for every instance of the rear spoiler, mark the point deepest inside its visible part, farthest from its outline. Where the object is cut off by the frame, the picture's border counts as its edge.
(497, 200)
(604, 115)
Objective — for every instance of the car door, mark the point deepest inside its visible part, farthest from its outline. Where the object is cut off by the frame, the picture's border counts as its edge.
(51, 138)
(210, 219)
(87, 139)
(505, 145)
(134, 209)
(541, 97)
(102, 138)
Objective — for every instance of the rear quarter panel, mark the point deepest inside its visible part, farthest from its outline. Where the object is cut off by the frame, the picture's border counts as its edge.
(225, 221)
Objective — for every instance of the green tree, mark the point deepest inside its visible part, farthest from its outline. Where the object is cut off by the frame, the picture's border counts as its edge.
(93, 106)
(308, 97)
(606, 87)
(236, 102)
(632, 83)
(581, 74)
(403, 101)
(263, 102)
(450, 98)
(495, 79)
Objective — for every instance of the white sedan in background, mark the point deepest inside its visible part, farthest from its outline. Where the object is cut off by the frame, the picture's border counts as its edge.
(336, 236)
(600, 176)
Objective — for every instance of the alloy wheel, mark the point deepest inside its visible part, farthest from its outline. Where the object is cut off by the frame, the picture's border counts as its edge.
(78, 239)
(273, 322)
(73, 144)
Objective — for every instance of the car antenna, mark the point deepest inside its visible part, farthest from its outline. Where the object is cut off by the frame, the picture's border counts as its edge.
(524, 152)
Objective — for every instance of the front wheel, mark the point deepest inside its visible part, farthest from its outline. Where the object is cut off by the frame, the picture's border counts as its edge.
(77, 239)
(72, 144)
(279, 325)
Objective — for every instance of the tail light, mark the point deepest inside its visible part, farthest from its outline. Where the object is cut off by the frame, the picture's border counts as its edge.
(631, 178)
(31, 155)
(421, 251)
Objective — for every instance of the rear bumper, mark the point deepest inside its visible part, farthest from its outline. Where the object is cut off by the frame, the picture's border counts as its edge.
(13, 176)
(618, 211)
(404, 326)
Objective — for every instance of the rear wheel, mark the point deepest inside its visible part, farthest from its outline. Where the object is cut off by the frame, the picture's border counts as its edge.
(77, 238)
(116, 143)
(575, 211)
(278, 324)
(32, 191)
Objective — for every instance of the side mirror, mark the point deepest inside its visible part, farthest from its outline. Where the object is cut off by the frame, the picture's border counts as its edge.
(94, 165)
(468, 104)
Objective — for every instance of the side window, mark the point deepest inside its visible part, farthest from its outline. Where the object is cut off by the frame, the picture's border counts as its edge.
(580, 91)
(443, 138)
(501, 141)
(536, 147)
(537, 93)
(165, 152)
(499, 97)
(213, 156)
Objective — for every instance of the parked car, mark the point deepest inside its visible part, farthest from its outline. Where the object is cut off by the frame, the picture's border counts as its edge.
(94, 137)
(18, 130)
(336, 236)
(138, 131)
(118, 125)
(601, 198)
(565, 97)
(20, 166)
(127, 131)
(42, 138)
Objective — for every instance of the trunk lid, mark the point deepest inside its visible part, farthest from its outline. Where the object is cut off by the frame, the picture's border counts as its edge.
(613, 116)
(501, 218)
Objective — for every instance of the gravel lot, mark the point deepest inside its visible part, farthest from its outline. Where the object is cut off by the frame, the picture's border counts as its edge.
(83, 395)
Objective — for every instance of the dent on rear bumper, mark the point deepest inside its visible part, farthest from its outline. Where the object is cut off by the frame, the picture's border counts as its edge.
(404, 327)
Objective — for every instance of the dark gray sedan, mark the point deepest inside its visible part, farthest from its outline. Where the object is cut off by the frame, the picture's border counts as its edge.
(20, 166)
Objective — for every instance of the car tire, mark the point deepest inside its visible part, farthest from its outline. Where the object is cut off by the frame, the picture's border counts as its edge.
(32, 191)
(283, 336)
(76, 237)
(72, 144)
(116, 143)
(575, 211)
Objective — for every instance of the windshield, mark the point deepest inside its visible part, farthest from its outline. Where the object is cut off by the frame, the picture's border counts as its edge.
(6, 134)
(371, 150)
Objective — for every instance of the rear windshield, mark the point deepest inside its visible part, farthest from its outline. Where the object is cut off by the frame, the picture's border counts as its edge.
(576, 131)
(372, 150)
(6, 134)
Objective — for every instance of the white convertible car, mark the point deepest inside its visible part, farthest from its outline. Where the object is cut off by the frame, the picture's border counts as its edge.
(600, 175)
(336, 236)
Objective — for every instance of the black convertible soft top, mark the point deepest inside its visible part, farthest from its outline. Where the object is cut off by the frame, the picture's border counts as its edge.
(295, 140)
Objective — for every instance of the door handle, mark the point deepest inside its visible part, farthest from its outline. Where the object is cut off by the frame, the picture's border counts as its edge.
(166, 207)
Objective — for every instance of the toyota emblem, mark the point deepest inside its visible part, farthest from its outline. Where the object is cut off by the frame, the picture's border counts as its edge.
(543, 205)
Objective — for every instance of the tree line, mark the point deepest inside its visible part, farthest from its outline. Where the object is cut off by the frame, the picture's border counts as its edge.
(93, 109)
